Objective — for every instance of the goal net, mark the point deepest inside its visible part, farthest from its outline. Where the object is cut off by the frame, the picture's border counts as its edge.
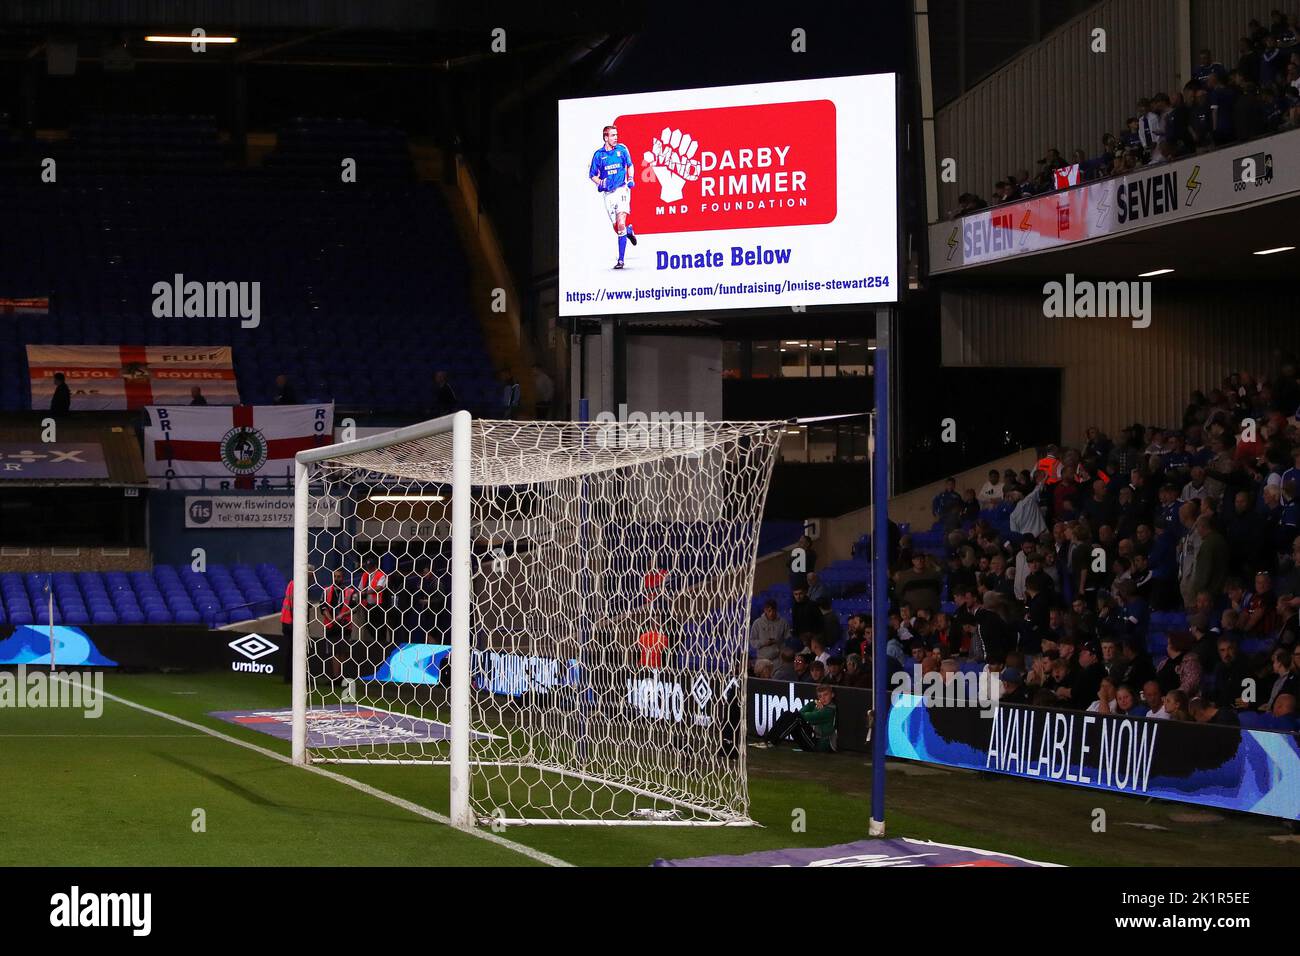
(557, 610)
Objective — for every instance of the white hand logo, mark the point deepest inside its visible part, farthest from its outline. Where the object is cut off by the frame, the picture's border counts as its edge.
(674, 162)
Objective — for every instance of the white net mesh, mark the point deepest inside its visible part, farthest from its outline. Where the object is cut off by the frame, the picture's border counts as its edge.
(611, 575)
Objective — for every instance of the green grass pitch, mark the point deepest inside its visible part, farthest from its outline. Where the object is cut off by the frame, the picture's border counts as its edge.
(123, 789)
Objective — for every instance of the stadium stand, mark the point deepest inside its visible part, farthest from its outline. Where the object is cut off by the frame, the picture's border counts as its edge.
(1171, 556)
(146, 198)
(1217, 107)
(167, 594)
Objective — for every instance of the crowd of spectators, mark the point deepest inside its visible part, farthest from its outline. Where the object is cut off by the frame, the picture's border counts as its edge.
(1065, 579)
(1217, 106)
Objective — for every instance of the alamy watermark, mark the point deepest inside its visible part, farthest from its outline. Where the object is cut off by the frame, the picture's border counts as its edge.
(1085, 299)
(208, 300)
(639, 430)
(66, 690)
(938, 688)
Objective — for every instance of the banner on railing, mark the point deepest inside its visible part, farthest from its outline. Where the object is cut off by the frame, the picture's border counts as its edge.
(234, 447)
(1257, 771)
(101, 377)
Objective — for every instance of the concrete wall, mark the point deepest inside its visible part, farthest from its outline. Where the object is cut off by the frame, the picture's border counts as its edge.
(1113, 374)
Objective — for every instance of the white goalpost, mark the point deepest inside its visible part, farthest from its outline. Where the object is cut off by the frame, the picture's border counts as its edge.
(558, 611)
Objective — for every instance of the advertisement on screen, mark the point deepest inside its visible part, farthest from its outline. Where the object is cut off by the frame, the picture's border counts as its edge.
(760, 196)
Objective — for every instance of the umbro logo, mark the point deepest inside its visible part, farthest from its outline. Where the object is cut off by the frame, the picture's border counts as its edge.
(253, 647)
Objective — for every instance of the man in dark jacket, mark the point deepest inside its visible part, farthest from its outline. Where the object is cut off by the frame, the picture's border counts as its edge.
(1014, 690)
(992, 633)
(1087, 680)
(919, 586)
(805, 616)
(62, 400)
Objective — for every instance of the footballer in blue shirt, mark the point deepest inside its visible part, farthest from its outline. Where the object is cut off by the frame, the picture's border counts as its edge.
(613, 173)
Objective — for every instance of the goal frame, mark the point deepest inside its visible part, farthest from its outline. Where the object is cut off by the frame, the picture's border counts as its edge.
(460, 425)
(461, 717)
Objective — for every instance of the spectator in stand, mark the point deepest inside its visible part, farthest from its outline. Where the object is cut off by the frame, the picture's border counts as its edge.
(1288, 581)
(1154, 700)
(783, 668)
(968, 203)
(816, 590)
(970, 507)
(920, 586)
(61, 402)
(768, 633)
(1206, 710)
(1273, 63)
(802, 560)
(1105, 702)
(1013, 688)
(1211, 566)
(1089, 676)
(947, 501)
(1246, 532)
(1206, 64)
(196, 396)
(445, 401)
(1151, 124)
(992, 491)
(992, 638)
(805, 616)
(1248, 59)
(1284, 714)
(1175, 706)
(1260, 607)
(1181, 669)
(1100, 509)
(1222, 99)
(832, 632)
(1128, 703)
(1293, 76)
(1250, 113)
(817, 647)
(802, 668)
(855, 675)
(1284, 678)
(285, 394)
(1230, 673)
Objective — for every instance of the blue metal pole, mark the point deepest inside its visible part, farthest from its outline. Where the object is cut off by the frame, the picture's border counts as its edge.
(880, 576)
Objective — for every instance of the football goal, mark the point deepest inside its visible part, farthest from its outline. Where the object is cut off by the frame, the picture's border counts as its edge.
(558, 611)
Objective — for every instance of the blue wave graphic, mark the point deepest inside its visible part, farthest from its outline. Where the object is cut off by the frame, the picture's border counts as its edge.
(1261, 775)
(413, 664)
(30, 644)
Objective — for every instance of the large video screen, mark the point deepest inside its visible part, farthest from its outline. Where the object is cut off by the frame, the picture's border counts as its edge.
(731, 197)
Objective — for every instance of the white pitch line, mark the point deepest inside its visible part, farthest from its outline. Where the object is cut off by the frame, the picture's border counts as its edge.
(365, 788)
(115, 736)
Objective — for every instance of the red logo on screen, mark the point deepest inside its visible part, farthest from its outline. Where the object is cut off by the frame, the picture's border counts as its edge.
(735, 167)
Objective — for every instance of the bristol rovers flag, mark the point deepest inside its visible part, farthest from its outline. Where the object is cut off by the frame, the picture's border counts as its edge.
(132, 376)
(236, 447)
